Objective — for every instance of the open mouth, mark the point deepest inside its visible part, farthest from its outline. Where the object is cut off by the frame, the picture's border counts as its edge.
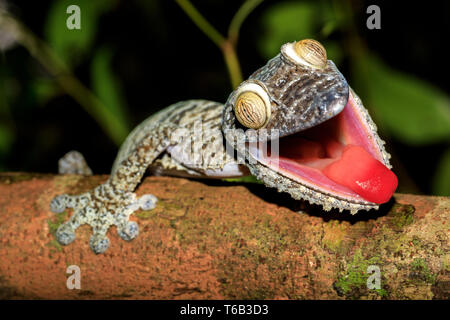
(340, 157)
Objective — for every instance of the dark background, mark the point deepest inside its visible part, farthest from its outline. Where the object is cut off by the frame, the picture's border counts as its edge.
(160, 57)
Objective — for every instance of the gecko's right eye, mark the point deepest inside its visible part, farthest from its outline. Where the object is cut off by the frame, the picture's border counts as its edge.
(252, 106)
(307, 52)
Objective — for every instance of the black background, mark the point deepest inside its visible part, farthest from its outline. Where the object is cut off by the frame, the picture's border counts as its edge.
(165, 58)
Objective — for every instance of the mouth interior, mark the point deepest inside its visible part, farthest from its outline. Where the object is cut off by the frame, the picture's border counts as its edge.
(339, 157)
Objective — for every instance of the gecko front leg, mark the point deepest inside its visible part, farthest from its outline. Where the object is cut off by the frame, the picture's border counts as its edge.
(114, 201)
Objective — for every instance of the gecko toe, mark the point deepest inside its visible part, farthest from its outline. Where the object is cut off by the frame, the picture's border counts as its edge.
(147, 202)
(59, 203)
(65, 234)
(99, 244)
(100, 209)
(129, 231)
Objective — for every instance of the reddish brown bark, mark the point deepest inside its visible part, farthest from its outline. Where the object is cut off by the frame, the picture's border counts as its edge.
(213, 240)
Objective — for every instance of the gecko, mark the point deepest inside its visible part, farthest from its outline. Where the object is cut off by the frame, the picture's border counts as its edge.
(295, 124)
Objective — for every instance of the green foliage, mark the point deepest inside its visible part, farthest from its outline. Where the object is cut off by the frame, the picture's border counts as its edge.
(289, 21)
(108, 89)
(441, 182)
(44, 89)
(247, 179)
(54, 222)
(410, 109)
(421, 271)
(72, 45)
(6, 139)
(354, 280)
(6, 132)
(403, 215)
(285, 22)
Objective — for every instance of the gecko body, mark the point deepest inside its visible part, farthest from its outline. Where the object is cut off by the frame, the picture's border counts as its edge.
(150, 146)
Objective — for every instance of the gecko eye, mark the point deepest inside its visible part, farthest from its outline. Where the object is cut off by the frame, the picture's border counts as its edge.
(308, 52)
(252, 106)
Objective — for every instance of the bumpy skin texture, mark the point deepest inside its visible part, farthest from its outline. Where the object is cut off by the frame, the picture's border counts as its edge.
(114, 201)
(302, 97)
(73, 162)
(187, 139)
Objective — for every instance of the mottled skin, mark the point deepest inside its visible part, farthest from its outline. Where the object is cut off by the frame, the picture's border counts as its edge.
(187, 139)
(171, 129)
(301, 97)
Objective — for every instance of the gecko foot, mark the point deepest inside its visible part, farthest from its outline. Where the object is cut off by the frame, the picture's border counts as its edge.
(100, 208)
(73, 162)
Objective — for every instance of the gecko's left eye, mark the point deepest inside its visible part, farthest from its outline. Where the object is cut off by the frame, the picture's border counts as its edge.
(307, 52)
(252, 106)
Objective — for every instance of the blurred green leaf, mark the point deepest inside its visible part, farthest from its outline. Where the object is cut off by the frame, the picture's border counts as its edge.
(334, 51)
(333, 17)
(6, 132)
(441, 181)
(108, 89)
(44, 89)
(286, 22)
(290, 21)
(6, 138)
(328, 28)
(412, 110)
(246, 179)
(71, 45)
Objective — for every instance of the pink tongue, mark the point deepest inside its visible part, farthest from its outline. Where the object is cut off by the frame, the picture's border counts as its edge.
(362, 173)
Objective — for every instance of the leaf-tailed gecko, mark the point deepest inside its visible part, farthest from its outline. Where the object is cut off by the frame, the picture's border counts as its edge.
(295, 124)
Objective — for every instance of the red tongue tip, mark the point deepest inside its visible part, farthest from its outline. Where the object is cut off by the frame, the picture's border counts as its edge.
(363, 174)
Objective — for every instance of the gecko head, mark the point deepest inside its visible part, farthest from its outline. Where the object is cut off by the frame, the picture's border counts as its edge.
(302, 130)
(296, 90)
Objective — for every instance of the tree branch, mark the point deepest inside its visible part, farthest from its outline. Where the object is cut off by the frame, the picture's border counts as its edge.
(197, 244)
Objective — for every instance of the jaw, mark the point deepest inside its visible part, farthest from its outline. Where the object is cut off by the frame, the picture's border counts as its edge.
(312, 164)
